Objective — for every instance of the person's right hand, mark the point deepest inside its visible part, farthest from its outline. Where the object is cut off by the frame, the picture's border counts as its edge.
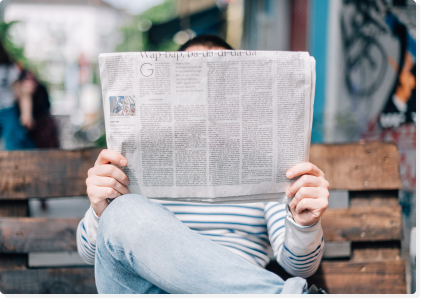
(27, 120)
(106, 180)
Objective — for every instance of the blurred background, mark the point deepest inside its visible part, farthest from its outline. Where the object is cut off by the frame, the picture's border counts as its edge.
(364, 49)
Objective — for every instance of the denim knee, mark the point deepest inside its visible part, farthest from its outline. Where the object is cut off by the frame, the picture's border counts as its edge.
(130, 215)
(124, 205)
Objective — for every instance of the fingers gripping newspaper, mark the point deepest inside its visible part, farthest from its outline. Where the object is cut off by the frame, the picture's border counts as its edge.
(211, 126)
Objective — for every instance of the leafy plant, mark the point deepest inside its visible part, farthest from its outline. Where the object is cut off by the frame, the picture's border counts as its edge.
(16, 53)
(134, 39)
(101, 141)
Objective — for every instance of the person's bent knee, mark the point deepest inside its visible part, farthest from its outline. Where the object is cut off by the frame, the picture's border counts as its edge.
(130, 215)
(124, 208)
(120, 217)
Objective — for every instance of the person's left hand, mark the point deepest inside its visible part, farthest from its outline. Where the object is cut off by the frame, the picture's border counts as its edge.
(310, 191)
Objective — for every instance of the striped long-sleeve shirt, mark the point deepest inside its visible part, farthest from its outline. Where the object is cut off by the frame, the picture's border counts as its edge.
(246, 229)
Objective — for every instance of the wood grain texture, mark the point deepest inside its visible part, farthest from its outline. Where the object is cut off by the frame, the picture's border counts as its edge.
(362, 224)
(48, 281)
(55, 173)
(22, 235)
(13, 208)
(369, 166)
(376, 251)
(43, 174)
(387, 277)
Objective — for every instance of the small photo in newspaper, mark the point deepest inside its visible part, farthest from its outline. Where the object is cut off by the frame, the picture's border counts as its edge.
(122, 106)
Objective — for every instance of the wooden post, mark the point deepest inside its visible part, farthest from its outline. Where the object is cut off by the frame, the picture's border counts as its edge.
(14, 208)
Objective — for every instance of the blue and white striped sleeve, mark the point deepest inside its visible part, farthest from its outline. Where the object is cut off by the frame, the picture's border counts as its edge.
(86, 236)
(298, 249)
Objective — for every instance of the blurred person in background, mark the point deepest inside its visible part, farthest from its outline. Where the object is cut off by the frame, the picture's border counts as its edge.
(12, 127)
(35, 101)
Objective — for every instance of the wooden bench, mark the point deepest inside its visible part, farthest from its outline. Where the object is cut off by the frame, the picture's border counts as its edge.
(371, 226)
(40, 174)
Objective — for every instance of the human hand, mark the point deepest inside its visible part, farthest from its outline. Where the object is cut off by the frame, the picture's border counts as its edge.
(106, 180)
(311, 192)
(27, 121)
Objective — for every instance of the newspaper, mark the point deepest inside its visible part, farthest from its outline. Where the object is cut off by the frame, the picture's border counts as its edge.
(211, 126)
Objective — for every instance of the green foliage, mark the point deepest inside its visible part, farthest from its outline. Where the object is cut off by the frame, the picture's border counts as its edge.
(136, 40)
(15, 52)
(166, 46)
(161, 13)
(133, 39)
(101, 141)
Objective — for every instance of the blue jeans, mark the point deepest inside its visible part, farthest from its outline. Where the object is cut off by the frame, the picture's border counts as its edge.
(15, 135)
(143, 248)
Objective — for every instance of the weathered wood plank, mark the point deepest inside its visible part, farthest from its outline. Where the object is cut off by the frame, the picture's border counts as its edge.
(48, 281)
(376, 251)
(362, 224)
(21, 235)
(55, 173)
(14, 208)
(43, 174)
(13, 261)
(374, 198)
(369, 166)
(387, 277)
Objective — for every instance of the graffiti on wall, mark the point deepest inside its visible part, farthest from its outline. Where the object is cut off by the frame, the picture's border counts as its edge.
(379, 45)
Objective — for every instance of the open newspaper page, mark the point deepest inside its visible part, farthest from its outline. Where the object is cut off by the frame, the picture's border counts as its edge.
(211, 126)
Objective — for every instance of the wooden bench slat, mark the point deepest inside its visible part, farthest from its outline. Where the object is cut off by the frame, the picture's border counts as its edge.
(79, 280)
(44, 174)
(369, 166)
(362, 224)
(386, 277)
(21, 235)
(13, 208)
(26, 174)
(376, 251)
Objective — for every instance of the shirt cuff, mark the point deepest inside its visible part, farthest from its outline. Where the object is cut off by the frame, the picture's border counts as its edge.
(290, 218)
(94, 213)
(302, 240)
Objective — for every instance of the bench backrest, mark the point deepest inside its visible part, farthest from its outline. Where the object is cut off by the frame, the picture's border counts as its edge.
(371, 225)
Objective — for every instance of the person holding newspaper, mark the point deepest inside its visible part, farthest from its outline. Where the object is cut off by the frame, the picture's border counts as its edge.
(147, 246)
